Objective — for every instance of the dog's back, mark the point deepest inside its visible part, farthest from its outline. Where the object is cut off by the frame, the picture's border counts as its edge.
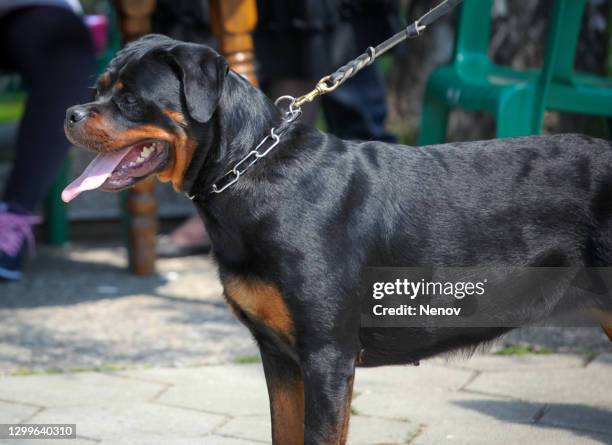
(533, 201)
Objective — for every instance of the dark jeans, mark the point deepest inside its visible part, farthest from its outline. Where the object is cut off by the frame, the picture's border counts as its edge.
(52, 49)
(358, 109)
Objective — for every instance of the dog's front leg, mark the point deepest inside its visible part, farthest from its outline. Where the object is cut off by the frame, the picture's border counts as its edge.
(328, 388)
(286, 392)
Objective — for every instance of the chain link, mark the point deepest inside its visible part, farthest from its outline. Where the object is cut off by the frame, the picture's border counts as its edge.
(292, 113)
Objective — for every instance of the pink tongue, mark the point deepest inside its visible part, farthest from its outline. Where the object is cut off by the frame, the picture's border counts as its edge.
(96, 173)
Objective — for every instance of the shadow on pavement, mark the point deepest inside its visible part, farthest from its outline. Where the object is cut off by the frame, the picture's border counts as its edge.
(581, 420)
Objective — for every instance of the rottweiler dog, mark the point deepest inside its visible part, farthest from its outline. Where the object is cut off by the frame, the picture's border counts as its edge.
(293, 236)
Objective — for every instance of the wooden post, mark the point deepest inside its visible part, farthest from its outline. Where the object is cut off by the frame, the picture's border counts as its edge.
(141, 204)
(232, 23)
(134, 17)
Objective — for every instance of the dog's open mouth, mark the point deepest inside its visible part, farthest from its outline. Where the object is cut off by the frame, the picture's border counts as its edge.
(120, 169)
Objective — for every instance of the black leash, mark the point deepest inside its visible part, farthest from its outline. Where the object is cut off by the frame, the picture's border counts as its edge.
(325, 85)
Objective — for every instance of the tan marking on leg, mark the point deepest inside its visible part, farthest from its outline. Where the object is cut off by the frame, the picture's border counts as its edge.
(608, 331)
(287, 406)
(605, 320)
(262, 301)
(347, 412)
(340, 434)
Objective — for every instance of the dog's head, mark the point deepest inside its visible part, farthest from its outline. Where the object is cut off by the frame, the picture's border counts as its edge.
(147, 105)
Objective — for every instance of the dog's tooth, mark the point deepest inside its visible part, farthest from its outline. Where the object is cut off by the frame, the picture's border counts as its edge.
(132, 164)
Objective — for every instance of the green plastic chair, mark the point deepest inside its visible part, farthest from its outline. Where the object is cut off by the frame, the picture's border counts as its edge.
(517, 98)
(12, 99)
(574, 92)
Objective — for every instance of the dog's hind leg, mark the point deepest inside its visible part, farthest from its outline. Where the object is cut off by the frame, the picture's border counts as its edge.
(286, 392)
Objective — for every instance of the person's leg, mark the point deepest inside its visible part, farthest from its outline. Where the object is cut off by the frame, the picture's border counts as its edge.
(358, 109)
(190, 238)
(52, 49)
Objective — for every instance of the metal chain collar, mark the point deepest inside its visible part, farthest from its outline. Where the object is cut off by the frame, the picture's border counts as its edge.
(261, 150)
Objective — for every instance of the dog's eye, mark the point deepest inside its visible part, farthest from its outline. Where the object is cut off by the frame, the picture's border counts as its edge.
(129, 99)
(129, 104)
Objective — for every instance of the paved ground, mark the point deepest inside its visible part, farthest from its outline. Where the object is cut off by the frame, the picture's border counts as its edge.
(79, 307)
(556, 399)
(168, 349)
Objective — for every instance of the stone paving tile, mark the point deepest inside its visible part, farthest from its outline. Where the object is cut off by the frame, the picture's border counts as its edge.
(202, 440)
(15, 412)
(128, 420)
(235, 390)
(422, 405)
(252, 428)
(588, 386)
(498, 433)
(75, 389)
(77, 441)
(396, 378)
(219, 440)
(492, 363)
(375, 430)
(363, 430)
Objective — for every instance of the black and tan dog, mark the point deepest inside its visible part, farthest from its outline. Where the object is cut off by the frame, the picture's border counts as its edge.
(292, 237)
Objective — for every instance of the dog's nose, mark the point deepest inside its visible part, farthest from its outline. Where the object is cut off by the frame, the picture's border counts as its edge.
(75, 114)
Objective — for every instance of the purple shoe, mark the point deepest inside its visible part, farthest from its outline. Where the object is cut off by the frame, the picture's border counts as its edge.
(15, 237)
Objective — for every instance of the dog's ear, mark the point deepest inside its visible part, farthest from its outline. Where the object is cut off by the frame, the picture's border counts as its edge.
(203, 74)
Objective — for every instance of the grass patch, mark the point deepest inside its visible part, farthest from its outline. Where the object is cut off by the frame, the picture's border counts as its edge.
(10, 112)
(23, 371)
(524, 350)
(247, 359)
(108, 367)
